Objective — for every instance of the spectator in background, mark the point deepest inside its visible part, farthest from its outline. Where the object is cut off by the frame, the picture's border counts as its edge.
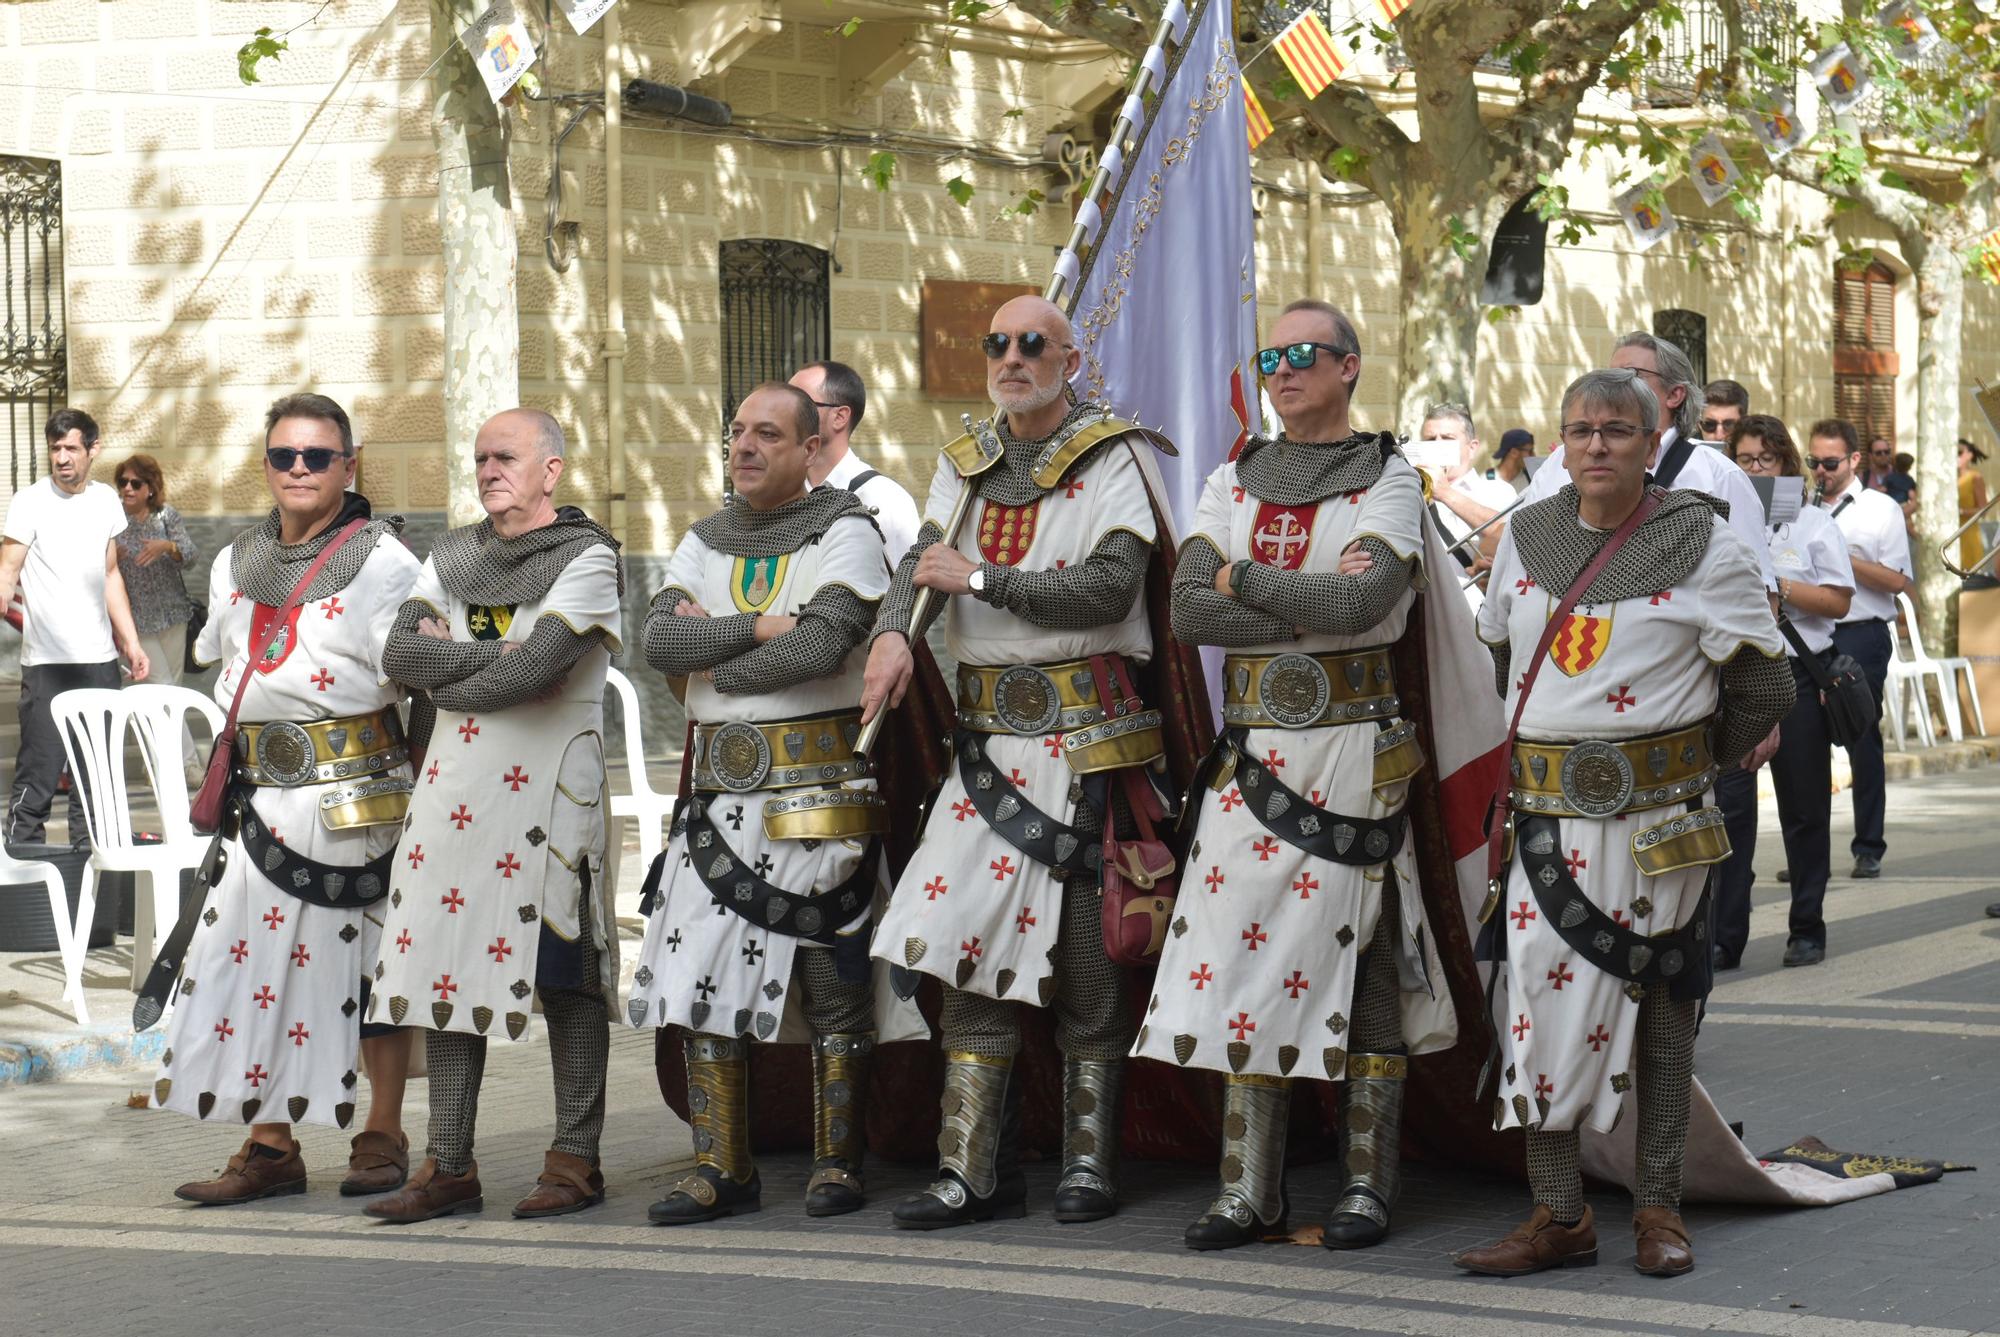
(1725, 403)
(1885, 475)
(61, 554)
(836, 391)
(1461, 500)
(1510, 462)
(151, 554)
(1971, 498)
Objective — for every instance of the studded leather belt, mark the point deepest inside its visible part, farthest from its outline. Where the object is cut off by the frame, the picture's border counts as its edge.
(738, 757)
(289, 755)
(1033, 699)
(1595, 778)
(1301, 691)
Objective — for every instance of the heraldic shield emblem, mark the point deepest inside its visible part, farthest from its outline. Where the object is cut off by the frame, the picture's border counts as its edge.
(1281, 536)
(1007, 532)
(1580, 643)
(281, 644)
(755, 581)
(489, 622)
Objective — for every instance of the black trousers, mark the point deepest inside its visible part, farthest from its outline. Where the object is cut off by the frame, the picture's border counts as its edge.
(38, 767)
(1736, 795)
(1802, 773)
(1868, 642)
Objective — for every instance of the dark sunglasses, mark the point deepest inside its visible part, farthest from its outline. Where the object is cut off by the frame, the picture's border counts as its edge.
(1710, 426)
(1825, 466)
(318, 458)
(1300, 356)
(1032, 344)
(127, 484)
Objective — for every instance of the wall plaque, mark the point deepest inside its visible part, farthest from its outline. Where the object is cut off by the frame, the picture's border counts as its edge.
(955, 318)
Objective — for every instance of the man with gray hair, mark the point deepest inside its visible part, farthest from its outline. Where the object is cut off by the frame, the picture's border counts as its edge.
(498, 890)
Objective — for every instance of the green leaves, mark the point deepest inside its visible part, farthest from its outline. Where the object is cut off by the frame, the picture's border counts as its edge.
(1024, 206)
(959, 189)
(261, 47)
(849, 28)
(1346, 164)
(1464, 242)
(968, 11)
(879, 170)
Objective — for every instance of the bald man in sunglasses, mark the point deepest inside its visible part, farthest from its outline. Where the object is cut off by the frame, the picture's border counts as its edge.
(1046, 615)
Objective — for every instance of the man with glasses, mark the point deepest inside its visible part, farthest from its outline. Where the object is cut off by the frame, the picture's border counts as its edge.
(837, 393)
(1879, 547)
(1047, 616)
(61, 554)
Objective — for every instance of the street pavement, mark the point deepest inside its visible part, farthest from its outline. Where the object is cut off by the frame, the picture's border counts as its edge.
(1892, 1047)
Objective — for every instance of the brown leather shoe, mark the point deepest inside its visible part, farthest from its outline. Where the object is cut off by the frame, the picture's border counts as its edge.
(430, 1193)
(567, 1184)
(250, 1175)
(1536, 1246)
(1664, 1247)
(376, 1164)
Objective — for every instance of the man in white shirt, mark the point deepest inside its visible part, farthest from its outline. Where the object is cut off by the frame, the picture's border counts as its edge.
(1461, 499)
(837, 392)
(1879, 547)
(61, 555)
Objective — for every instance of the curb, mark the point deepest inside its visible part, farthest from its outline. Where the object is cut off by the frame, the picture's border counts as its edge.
(23, 1062)
(1966, 756)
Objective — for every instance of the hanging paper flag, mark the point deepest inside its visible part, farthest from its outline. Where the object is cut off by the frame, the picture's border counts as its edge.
(1989, 255)
(1391, 8)
(1308, 53)
(501, 46)
(1649, 222)
(1841, 78)
(1255, 117)
(1777, 124)
(1911, 34)
(1714, 172)
(582, 14)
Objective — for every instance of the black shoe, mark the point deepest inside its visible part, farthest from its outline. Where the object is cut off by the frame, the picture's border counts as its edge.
(948, 1202)
(834, 1190)
(1235, 1227)
(1804, 952)
(706, 1195)
(1353, 1230)
(1866, 866)
(1993, 911)
(1722, 960)
(1784, 875)
(1083, 1202)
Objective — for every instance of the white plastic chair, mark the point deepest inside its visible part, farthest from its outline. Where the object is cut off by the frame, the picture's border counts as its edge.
(1947, 669)
(1906, 694)
(69, 942)
(644, 805)
(94, 723)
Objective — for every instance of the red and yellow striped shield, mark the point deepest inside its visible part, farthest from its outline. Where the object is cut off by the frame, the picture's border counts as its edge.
(1580, 643)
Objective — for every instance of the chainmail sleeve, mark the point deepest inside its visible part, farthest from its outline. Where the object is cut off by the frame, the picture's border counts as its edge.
(900, 601)
(532, 669)
(425, 662)
(678, 646)
(1757, 693)
(1090, 593)
(1332, 605)
(831, 624)
(423, 719)
(1204, 615)
(1503, 665)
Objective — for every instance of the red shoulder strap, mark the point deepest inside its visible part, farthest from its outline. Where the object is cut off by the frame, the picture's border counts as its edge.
(352, 528)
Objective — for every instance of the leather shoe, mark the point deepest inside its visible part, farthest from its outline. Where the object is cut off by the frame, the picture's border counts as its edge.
(1866, 867)
(949, 1202)
(252, 1173)
(1663, 1242)
(1784, 875)
(376, 1163)
(706, 1195)
(567, 1184)
(1230, 1223)
(1804, 952)
(430, 1193)
(1722, 960)
(1536, 1245)
(1993, 911)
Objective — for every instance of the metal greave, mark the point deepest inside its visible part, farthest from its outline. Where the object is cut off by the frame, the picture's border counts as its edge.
(1254, 1114)
(1371, 1135)
(1091, 1091)
(719, 1104)
(840, 1083)
(974, 1107)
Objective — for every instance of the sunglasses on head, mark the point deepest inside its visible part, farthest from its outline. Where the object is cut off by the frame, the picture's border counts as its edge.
(1300, 356)
(1032, 344)
(318, 458)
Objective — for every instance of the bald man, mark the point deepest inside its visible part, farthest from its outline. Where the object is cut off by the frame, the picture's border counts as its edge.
(1043, 598)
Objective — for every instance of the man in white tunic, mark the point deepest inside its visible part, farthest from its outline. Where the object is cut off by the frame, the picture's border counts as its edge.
(769, 878)
(276, 974)
(1047, 620)
(1667, 669)
(1462, 499)
(499, 890)
(1301, 936)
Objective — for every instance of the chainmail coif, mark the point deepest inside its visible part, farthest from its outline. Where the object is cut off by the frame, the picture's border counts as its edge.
(1298, 473)
(1555, 545)
(740, 531)
(477, 565)
(268, 570)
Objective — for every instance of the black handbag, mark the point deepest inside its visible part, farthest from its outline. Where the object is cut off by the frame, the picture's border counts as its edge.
(197, 619)
(1845, 698)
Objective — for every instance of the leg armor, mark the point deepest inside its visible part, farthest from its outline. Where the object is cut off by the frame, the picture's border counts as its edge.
(724, 1181)
(1371, 1127)
(979, 1170)
(1089, 1187)
(840, 1082)
(1252, 1201)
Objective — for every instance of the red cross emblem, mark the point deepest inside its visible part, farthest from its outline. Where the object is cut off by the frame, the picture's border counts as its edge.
(1072, 487)
(451, 901)
(256, 1075)
(274, 918)
(403, 942)
(223, 1030)
(1265, 848)
(1621, 698)
(332, 608)
(1544, 1088)
(275, 836)
(1621, 919)
(1054, 744)
(263, 998)
(1201, 977)
(500, 951)
(1231, 801)
(1242, 1025)
(298, 1035)
(935, 888)
(1305, 884)
(1297, 984)
(1522, 915)
(322, 679)
(1016, 779)
(1575, 862)
(416, 854)
(431, 774)
(240, 950)
(1521, 1026)
(973, 951)
(1273, 760)
(1523, 585)
(508, 865)
(1239, 404)
(1561, 975)
(515, 778)
(234, 595)
(963, 808)
(462, 818)
(1024, 921)
(300, 955)
(468, 729)
(1003, 868)
(445, 988)
(1318, 802)
(1281, 535)
(1664, 596)
(1239, 492)
(1354, 498)
(1214, 880)
(1254, 935)
(1598, 1038)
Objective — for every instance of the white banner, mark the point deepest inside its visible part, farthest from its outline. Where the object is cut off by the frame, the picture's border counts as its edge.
(1712, 170)
(583, 13)
(1840, 77)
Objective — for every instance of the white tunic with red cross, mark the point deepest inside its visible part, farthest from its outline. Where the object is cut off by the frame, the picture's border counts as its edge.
(268, 1010)
(1259, 969)
(1615, 670)
(702, 965)
(971, 909)
(509, 810)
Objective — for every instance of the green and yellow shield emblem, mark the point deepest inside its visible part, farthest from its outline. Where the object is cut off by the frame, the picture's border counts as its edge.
(489, 622)
(755, 581)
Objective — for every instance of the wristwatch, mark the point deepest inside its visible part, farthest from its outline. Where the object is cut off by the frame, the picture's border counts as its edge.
(976, 582)
(1237, 570)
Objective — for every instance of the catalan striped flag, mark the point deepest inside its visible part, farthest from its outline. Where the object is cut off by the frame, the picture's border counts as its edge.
(1307, 50)
(1259, 120)
(1391, 8)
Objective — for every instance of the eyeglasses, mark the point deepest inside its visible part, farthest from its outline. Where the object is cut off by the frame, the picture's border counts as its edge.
(1825, 466)
(1711, 426)
(1299, 356)
(1032, 344)
(318, 459)
(1578, 434)
(1757, 461)
(130, 484)
(822, 404)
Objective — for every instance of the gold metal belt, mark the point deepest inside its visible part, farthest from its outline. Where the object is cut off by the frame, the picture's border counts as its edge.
(1302, 691)
(1029, 699)
(739, 757)
(290, 755)
(1595, 778)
